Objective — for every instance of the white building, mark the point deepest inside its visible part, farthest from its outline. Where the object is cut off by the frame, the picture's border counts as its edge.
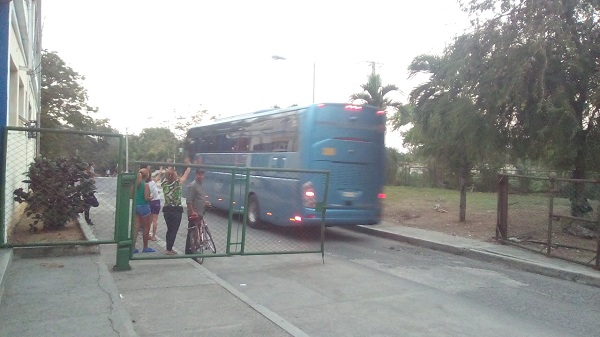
(20, 80)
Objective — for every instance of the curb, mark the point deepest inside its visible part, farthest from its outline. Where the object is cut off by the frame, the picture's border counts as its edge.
(532, 267)
(485, 256)
(55, 251)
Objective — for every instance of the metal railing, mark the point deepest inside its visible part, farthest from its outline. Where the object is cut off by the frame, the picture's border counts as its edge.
(563, 222)
(44, 201)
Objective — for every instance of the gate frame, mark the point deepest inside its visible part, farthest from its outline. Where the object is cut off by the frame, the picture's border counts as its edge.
(126, 243)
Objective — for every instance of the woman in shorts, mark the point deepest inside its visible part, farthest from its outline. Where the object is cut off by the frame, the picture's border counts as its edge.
(154, 201)
(142, 209)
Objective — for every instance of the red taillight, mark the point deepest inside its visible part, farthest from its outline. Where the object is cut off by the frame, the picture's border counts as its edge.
(381, 112)
(320, 105)
(381, 195)
(308, 195)
(353, 107)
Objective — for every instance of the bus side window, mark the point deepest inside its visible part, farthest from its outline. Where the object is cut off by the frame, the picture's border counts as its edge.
(278, 162)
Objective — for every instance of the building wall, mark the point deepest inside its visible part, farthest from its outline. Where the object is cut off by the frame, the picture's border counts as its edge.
(20, 80)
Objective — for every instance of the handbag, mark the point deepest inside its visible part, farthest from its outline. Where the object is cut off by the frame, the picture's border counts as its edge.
(91, 200)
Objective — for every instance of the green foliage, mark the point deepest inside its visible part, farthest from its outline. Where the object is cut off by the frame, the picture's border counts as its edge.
(374, 93)
(64, 99)
(534, 65)
(154, 144)
(394, 166)
(56, 188)
(447, 125)
(184, 122)
(64, 105)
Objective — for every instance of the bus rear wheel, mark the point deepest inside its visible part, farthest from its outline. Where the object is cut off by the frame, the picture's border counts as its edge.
(253, 212)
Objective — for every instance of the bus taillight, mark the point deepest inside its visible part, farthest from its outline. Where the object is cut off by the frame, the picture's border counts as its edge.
(309, 196)
(381, 195)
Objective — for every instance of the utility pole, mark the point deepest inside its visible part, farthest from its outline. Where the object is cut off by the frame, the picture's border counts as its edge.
(373, 63)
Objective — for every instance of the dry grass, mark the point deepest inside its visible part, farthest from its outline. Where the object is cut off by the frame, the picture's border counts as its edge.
(438, 210)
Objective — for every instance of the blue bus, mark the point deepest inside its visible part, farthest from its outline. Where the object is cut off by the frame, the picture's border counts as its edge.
(345, 139)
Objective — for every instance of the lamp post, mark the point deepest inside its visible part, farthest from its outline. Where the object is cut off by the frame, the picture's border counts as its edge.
(278, 57)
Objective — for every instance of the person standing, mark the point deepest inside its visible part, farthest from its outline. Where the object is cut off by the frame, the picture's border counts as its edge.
(89, 199)
(142, 210)
(154, 202)
(196, 202)
(172, 210)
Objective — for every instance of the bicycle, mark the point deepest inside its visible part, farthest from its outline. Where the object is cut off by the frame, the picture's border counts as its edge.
(199, 239)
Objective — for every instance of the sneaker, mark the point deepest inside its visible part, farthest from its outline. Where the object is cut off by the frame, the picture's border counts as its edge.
(148, 250)
(135, 251)
(171, 252)
(90, 223)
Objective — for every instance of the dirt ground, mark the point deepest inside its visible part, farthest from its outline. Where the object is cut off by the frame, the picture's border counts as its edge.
(481, 225)
(478, 226)
(22, 234)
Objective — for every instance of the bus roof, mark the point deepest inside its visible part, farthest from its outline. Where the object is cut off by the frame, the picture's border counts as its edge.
(266, 112)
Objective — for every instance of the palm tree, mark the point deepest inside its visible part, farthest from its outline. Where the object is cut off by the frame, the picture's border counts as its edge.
(374, 93)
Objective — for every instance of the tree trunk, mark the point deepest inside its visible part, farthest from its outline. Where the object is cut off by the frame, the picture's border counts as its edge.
(579, 203)
(463, 199)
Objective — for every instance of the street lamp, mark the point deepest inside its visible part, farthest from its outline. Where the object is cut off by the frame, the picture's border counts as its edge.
(278, 57)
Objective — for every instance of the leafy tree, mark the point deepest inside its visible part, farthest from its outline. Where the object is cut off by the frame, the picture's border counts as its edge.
(64, 99)
(64, 105)
(394, 161)
(374, 93)
(535, 67)
(154, 144)
(447, 126)
(184, 122)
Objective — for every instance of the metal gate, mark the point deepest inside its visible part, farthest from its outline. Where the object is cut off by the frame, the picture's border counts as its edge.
(46, 189)
(228, 218)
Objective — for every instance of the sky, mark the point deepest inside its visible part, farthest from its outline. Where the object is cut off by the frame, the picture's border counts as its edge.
(147, 61)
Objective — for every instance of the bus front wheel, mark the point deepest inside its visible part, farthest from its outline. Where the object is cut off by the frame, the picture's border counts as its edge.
(253, 212)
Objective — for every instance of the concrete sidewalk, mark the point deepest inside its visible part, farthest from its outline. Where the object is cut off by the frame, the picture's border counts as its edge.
(81, 296)
(60, 296)
(508, 255)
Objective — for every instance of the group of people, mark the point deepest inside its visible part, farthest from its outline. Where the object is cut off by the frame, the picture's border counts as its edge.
(147, 200)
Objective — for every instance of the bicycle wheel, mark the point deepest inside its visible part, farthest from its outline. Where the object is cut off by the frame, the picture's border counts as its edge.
(208, 239)
(195, 244)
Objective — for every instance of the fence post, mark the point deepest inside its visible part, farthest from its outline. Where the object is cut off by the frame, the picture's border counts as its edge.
(550, 214)
(502, 216)
(125, 183)
(597, 266)
(4, 134)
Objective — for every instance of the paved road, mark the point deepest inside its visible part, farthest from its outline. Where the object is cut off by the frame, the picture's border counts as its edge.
(373, 286)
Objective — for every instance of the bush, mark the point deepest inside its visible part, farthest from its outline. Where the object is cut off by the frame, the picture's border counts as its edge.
(55, 191)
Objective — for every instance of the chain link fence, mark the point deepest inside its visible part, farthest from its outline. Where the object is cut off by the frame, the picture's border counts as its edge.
(270, 195)
(59, 186)
(557, 217)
